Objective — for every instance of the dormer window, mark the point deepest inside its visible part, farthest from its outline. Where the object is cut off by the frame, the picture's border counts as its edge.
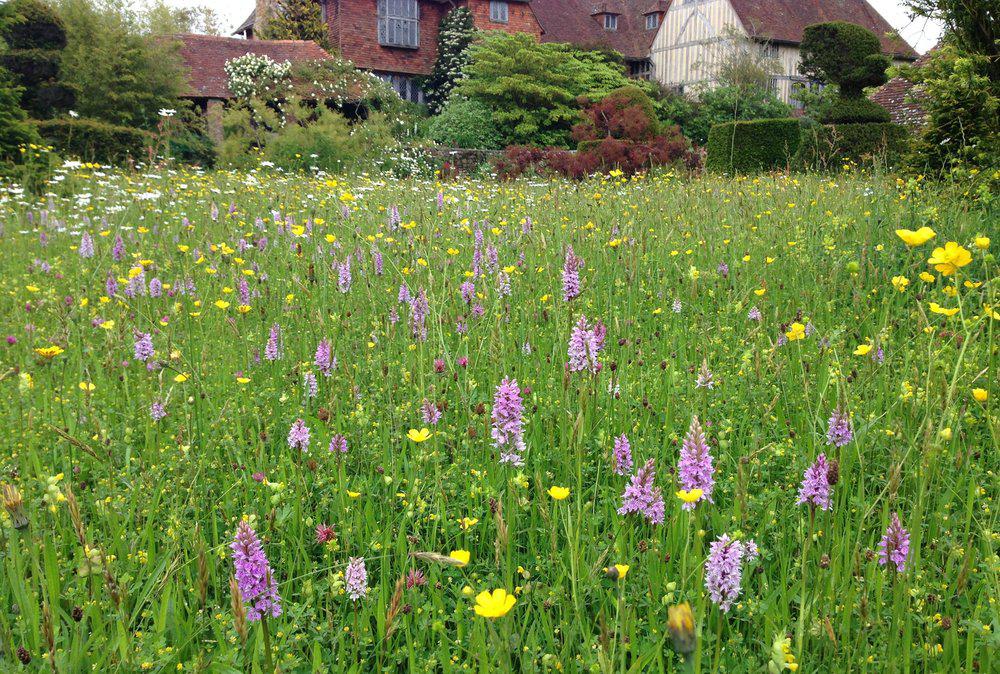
(499, 11)
(611, 22)
(652, 21)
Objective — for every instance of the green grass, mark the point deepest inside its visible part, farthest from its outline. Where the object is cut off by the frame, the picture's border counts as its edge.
(159, 501)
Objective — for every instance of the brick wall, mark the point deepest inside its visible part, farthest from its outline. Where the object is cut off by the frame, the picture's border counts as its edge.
(465, 161)
(520, 18)
(354, 26)
(354, 31)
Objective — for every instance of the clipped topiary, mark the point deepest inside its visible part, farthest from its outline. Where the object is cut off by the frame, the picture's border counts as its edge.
(34, 25)
(752, 146)
(35, 38)
(855, 111)
(849, 56)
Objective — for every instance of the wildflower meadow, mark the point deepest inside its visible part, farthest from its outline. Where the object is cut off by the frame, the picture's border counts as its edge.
(259, 422)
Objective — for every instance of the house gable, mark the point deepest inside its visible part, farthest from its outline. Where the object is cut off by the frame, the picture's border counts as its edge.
(690, 40)
(693, 39)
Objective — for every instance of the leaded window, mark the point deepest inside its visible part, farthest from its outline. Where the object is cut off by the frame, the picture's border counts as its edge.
(499, 11)
(399, 23)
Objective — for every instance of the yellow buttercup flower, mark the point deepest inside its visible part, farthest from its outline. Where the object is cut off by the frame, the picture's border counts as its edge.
(418, 436)
(558, 493)
(796, 331)
(87, 386)
(949, 259)
(917, 238)
(617, 572)
(181, 378)
(980, 395)
(461, 556)
(926, 277)
(467, 522)
(692, 495)
(494, 605)
(862, 349)
(222, 304)
(680, 624)
(982, 242)
(900, 283)
(938, 309)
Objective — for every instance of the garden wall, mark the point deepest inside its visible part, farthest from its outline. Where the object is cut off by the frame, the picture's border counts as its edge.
(464, 160)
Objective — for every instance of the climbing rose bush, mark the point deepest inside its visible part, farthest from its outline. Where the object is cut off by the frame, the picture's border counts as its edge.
(252, 74)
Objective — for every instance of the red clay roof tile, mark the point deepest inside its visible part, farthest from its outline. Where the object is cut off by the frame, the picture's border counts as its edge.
(205, 56)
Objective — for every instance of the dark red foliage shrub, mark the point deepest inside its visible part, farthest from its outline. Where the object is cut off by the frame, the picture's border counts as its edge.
(599, 155)
(620, 132)
(625, 113)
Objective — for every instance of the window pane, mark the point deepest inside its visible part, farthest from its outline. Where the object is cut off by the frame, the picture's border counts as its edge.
(498, 11)
(398, 23)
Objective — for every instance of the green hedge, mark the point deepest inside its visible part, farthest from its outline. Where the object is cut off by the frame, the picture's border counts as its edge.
(91, 140)
(752, 146)
(829, 146)
(855, 111)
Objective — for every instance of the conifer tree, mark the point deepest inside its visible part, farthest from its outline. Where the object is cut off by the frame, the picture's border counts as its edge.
(296, 20)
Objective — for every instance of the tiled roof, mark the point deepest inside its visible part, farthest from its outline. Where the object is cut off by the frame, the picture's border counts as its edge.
(902, 99)
(579, 22)
(205, 56)
(786, 20)
(248, 24)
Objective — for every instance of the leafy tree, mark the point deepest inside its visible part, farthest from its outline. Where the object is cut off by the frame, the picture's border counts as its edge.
(15, 130)
(455, 34)
(731, 104)
(465, 123)
(971, 25)
(743, 62)
(962, 129)
(849, 56)
(296, 20)
(35, 37)
(816, 101)
(159, 18)
(122, 76)
(673, 108)
(532, 88)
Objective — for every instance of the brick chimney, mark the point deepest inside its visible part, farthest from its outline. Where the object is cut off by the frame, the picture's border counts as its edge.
(262, 13)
